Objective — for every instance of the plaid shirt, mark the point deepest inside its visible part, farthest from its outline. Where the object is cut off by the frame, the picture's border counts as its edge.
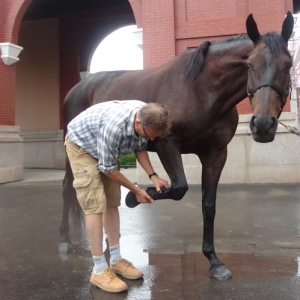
(106, 132)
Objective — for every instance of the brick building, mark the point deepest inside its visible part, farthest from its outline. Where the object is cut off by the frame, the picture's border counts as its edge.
(58, 40)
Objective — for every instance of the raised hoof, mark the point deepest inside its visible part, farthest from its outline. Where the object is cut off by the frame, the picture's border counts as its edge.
(66, 248)
(131, 201)
(220, 272)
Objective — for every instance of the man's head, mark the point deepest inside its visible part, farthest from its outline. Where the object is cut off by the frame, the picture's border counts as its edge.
(152, 121)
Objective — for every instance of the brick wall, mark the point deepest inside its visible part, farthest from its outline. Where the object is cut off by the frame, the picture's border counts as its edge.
(136, 6)
(197, 21)
(158, 32)
(7, 97)
(169, 27)
(11, 14)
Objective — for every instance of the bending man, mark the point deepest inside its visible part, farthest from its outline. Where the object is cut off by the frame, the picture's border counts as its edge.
(96, 138)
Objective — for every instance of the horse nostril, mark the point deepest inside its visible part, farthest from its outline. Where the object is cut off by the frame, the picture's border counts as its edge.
(253, 127)
(274, 124)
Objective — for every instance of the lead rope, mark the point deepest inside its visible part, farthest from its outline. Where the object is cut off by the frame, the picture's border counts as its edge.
(293, 130)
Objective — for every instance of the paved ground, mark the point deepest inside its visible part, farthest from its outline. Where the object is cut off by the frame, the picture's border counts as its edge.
(257, 235)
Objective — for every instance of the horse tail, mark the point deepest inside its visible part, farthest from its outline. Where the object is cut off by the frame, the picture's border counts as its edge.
(196, 62)
(69, 194)
(75, 102)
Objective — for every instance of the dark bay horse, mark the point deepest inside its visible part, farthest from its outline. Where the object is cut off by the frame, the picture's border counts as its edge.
(201, 89)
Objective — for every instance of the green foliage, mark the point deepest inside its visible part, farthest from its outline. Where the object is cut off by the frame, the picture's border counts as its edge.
(128, 160)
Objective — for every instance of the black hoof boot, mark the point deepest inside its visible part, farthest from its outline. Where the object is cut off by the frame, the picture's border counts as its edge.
(131, 200)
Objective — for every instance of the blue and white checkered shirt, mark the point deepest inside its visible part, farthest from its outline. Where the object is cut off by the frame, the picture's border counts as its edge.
(106, 132)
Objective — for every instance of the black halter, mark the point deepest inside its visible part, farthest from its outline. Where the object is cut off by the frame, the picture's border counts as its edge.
(279, 90)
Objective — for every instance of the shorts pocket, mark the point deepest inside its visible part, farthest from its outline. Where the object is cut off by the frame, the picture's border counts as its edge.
(82, 181)
(85, 192)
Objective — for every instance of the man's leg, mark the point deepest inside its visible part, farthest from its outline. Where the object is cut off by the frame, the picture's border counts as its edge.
(92, 199)
(94, 229)
(121, 266)
(105, 279)
(111, 221)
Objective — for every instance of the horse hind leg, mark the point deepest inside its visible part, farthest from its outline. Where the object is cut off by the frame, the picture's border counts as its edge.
(69, 195)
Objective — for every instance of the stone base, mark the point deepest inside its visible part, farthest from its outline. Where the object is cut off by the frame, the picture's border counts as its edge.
(248, 162)
(44, 149)
(11, 154)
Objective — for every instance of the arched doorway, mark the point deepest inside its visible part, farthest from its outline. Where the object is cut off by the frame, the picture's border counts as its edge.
(118, 51)
(58, 41)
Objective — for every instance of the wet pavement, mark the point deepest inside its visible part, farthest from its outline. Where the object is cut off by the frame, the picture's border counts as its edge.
(257, 236)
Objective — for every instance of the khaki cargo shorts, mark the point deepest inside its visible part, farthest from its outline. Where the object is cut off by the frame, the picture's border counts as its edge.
(95, 191)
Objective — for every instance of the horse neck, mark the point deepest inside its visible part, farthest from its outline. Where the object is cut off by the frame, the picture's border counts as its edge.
(226, 73)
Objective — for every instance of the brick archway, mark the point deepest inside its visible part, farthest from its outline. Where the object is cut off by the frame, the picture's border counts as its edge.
(14, 18)
(136, 6)
(13, 14)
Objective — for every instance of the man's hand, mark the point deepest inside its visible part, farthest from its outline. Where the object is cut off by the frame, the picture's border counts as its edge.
(143, 197)
(159, 183)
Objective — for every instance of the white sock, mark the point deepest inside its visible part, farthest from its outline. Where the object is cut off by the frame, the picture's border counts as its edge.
(100, 263)
(115, 254)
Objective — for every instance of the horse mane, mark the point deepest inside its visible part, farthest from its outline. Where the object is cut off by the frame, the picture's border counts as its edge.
(272, 39)
(275, 43)
(196, 62)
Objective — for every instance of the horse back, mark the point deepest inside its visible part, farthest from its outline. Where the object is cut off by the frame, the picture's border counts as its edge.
(151, 85)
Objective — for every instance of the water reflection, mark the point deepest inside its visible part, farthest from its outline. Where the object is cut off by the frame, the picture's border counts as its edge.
(135, 251)
(175, 273)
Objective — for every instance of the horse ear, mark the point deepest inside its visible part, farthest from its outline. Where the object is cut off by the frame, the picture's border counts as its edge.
(287, 27)
(252, 29)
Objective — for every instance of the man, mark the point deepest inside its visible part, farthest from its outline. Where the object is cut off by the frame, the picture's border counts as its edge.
(95, 140)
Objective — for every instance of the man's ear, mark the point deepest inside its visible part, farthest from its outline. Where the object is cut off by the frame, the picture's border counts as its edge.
(137, 121)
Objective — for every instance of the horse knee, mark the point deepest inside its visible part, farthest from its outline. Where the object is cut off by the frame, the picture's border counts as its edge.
(179, 192)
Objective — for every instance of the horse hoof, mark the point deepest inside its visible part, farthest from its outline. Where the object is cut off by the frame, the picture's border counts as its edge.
(66, 248)
(220, 272)
(131, 201)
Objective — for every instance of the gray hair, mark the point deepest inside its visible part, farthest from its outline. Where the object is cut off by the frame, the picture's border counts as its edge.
(156, 116)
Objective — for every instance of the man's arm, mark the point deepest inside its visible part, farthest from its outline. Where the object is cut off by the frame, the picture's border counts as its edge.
(143, 158)
(141, 194)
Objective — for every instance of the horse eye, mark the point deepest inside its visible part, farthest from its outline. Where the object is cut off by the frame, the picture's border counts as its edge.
(248, 66)
(288, 65)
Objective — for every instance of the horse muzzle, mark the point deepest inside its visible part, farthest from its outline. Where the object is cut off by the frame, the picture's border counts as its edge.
(263, 128)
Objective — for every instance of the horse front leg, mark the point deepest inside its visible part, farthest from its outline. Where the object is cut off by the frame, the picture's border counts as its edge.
(213, 162)
(168, 150)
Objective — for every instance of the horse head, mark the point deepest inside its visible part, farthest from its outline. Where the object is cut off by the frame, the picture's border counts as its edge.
(268, 83)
